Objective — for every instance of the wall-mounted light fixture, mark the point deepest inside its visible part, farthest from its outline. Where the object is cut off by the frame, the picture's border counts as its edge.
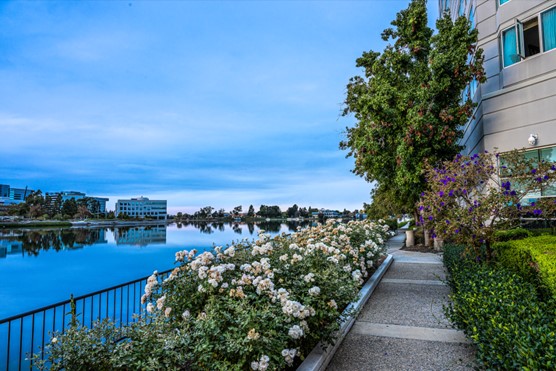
(533, 139)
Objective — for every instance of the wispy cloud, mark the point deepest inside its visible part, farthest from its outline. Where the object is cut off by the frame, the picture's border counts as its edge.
(201, 103)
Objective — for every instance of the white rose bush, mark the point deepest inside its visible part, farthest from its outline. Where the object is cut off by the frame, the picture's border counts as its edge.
(260, 305)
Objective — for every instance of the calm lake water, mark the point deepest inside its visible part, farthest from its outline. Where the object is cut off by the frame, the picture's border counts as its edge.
(39, 267)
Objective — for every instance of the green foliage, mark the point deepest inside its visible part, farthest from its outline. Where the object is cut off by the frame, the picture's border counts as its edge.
(293, 211)
(261, 305)
(391, 223)
(532, 258)
(408, 104)
(385, 203)
(511, 234)
(69, 208)
(501, 313)
(467, 201)
(270, 211)
(96, 346)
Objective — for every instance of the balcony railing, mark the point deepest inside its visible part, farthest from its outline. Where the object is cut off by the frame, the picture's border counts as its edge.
(26, 334)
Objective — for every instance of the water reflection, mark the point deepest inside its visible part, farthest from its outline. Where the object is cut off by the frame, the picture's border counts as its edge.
(31, 242)
(140, 236)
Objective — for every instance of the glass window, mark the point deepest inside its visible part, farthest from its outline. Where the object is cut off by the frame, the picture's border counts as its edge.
(548, 19)
(461, 7)
(509, 44)
(472, 17)
(532, 156)
(549, 190)
(465, 94)
(531, 44)
(548, 154)
(503, 1)
(473, 87)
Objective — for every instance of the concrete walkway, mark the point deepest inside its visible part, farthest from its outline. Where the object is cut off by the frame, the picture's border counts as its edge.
(402, 326)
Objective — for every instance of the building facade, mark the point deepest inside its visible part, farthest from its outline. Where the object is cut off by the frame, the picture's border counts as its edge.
(516, 106)
(68, 195)
(4, 191)
(10, 195)
(142, 207)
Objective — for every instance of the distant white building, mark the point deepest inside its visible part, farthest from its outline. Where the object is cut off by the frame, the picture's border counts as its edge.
(142, 207)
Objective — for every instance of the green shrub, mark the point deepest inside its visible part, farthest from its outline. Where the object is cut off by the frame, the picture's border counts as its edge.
(501, 313)
(534, 259)
(511, 234)
(260, 305)
(392, 224)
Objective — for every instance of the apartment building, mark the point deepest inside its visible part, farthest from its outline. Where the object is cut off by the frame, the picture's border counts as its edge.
(516, 107)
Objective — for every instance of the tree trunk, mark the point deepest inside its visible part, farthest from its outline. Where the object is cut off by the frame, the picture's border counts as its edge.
(488, 251)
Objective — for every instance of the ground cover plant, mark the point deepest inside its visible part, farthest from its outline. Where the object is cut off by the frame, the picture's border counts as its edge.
(501, 313)
(259, 305)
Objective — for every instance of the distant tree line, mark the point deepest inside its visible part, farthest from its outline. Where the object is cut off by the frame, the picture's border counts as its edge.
(265, 211)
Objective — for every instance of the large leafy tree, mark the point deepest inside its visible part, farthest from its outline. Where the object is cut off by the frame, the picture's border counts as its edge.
(408, 105)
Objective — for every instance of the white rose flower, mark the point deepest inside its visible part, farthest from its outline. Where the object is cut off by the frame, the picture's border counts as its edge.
(314, 291)
(295, 332)
(160, 302)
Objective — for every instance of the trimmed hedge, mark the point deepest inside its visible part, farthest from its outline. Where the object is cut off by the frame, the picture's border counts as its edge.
(512, 234)
(534, 259)
(501, 313)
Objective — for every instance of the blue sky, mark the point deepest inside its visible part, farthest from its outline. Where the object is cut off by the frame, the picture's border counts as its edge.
(219, 103)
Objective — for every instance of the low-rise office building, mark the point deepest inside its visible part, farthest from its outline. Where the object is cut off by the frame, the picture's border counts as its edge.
(142, 207)
(68, 195)
(14, 195)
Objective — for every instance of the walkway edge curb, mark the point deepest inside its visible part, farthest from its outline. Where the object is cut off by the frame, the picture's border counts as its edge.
(318, 359)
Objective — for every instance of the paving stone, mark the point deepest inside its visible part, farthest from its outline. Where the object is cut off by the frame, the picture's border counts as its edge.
(408, 305)
(415, 271)
(362, 353)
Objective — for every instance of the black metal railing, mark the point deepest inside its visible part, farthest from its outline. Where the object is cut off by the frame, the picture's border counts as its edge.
(26, 334)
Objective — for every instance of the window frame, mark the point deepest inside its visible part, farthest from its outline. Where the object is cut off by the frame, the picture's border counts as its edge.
(520, 40)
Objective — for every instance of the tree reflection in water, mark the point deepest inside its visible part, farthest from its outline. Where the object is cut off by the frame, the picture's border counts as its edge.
(33, 241)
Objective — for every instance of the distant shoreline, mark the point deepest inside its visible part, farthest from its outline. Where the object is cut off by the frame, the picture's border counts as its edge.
(81, 223)
(129, 223)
